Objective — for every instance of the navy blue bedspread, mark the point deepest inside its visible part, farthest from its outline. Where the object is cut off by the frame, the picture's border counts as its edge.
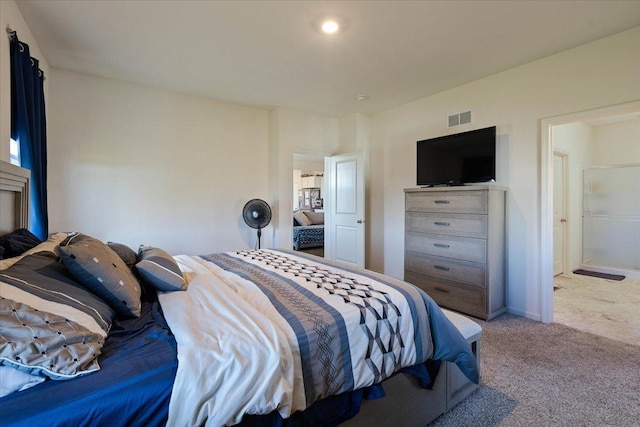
(132, 388)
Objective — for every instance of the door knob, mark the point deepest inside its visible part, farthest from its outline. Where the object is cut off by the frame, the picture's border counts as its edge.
(360, 221)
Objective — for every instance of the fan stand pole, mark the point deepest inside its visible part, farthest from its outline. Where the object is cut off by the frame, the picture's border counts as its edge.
(259, 236)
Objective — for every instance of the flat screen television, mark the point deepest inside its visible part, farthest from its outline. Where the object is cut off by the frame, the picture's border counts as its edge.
(462, 158)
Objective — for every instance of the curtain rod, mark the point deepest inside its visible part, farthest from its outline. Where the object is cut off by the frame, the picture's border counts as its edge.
(10, 31)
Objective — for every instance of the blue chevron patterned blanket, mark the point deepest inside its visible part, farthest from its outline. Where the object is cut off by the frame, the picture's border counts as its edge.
(277, 330)
(308, 236)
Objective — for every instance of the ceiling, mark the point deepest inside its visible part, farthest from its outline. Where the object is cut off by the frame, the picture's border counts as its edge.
(271, 53)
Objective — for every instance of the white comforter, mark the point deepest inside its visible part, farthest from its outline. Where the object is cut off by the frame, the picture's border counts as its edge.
(238, 355)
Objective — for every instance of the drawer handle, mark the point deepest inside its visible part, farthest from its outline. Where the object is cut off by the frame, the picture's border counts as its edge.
(445, 224)
(440, 245)
(441, 202)
(440, 267)
(446, 291)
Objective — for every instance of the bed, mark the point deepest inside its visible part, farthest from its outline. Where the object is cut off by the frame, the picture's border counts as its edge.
(308, 230)
(164, 361)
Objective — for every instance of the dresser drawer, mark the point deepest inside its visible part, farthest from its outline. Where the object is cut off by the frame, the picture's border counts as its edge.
(474, 250)
(455, 296)
(466, 225)
(447, 201)
(446, 268)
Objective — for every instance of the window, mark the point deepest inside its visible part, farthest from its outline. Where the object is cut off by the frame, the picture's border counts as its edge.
(14, 152)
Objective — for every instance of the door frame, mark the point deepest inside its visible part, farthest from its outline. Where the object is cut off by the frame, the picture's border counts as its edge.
(565, 207)
(546, 192)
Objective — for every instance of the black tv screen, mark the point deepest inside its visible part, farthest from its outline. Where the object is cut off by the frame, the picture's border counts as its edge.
(462, 158)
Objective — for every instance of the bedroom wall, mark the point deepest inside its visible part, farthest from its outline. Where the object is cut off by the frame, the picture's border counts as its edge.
(10, 16)
(617, 143)
(576, 140)
(138, 165)
(598, 74)
(293, 131)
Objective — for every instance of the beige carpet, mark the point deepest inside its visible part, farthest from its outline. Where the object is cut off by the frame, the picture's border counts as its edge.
(536, 374)
(605, 307)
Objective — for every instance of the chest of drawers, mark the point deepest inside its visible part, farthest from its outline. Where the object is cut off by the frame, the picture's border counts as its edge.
(454, 247)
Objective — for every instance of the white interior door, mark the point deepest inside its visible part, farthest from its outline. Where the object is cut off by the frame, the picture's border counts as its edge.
(559, 214)
(344, 211)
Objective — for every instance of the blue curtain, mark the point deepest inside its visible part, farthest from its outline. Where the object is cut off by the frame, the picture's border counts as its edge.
(29, 129)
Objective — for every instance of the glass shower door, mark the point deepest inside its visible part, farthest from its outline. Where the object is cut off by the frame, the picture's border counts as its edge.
(611, 217)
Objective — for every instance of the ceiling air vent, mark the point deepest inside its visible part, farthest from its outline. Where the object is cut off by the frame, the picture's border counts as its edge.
(458, 119)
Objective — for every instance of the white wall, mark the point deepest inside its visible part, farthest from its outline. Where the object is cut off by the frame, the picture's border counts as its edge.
(137, 165)
(294, 131)
(10, 16)
(601, 73)
(575, 140)
(616, 143)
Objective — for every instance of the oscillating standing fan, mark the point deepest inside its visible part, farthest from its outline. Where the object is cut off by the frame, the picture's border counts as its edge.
(257, 214)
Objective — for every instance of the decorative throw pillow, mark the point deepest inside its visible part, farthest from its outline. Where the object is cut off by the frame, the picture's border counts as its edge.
(316, 218)
(159, 269)
(301, 218)
(101, 270)
(125, 253)
(52, 326)
(17, 242)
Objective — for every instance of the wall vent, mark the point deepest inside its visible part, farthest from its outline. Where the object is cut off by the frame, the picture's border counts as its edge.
(457, 119)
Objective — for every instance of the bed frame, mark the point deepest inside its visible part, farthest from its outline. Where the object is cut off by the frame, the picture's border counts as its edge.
(14, 197)
(406, 403)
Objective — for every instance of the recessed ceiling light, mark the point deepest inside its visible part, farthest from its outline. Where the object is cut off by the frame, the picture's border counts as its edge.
(362, 98)
(330, 26)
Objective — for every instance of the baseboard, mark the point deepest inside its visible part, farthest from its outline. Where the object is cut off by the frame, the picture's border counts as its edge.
(528, 315)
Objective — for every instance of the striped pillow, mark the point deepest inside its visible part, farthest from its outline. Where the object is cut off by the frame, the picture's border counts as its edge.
(158, 269)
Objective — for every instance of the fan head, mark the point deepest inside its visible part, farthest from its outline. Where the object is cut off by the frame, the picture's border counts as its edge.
(256, 213)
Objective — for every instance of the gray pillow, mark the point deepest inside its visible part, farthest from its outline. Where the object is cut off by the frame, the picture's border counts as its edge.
(158, 269)
(316, 218)
(100, 269)
(125, 253)
(55, 326)
(301, 218)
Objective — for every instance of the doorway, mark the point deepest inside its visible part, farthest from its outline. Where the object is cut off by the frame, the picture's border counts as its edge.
(309, 192)
(605, 306)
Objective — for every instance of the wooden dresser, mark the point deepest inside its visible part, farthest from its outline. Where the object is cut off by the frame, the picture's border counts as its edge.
(455, 247)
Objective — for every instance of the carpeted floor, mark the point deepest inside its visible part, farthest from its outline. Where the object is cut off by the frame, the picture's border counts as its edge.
(605, 307)
(536, 374)
(314, 251)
